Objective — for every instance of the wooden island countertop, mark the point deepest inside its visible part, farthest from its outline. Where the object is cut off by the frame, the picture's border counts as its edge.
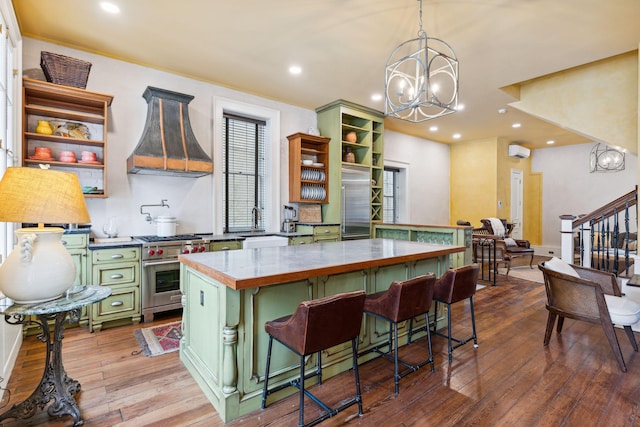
(252, 268)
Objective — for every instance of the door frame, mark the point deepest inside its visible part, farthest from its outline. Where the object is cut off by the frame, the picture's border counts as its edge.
(517, 203)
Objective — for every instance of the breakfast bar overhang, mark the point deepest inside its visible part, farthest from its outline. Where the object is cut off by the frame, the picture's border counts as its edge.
(228, 296)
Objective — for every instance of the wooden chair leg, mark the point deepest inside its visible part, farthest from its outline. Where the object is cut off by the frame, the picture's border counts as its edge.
(560, 324)
(551, 319)
(615, 345)
(632, 337)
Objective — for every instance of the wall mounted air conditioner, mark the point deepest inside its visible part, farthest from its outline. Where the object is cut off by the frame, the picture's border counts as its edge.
(519, 151)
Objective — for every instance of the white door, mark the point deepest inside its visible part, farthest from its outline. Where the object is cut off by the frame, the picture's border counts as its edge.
(516, 203)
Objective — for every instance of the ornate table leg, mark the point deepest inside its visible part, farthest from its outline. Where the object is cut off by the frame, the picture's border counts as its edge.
(56, 389)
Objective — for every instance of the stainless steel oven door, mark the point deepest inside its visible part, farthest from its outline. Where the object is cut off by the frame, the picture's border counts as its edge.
(160, 287)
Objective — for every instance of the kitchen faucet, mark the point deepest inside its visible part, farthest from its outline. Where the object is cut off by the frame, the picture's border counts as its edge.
(256, 215)
(163, 203)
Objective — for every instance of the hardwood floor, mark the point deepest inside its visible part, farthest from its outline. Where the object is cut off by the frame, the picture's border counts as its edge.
(510, 380)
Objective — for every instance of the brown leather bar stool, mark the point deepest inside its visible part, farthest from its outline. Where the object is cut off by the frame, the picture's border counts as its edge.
(402, 301)
(315, 326)
(457, 285)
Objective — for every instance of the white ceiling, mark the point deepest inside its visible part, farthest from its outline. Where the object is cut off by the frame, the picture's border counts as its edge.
(343, 46)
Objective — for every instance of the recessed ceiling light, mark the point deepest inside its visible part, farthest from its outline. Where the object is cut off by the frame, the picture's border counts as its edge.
(502, 111)
(433, 128)
(460, 107)
(516, 125)
(456, 136)
(109, 7)
(295, 69)
(376, 97)
(551, 141)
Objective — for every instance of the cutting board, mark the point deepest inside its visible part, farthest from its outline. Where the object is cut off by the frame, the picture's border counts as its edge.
(310, 213)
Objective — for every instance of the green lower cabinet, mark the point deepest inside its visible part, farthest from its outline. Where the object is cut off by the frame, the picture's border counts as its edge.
(119, 269)
(226, 245)
(320, 232)
(303, 240)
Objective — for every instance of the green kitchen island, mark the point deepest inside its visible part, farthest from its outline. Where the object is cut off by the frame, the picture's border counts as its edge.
(228, 296)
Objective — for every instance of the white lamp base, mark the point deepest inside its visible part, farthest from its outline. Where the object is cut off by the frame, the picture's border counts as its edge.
(39, 268)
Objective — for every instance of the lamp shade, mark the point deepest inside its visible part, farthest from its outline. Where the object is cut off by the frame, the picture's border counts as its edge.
(42, 196)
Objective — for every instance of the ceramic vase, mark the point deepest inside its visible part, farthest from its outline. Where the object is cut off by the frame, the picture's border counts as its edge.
(39, 268)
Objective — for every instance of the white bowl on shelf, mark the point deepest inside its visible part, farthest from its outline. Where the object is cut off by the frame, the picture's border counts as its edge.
(307, 162)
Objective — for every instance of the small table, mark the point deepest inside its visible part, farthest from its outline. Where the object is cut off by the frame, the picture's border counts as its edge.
(56, 389)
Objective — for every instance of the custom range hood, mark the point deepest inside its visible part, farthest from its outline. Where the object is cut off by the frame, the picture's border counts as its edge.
(167, 145)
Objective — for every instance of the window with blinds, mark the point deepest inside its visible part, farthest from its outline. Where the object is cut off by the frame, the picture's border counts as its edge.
(243, 173)
(390, 195)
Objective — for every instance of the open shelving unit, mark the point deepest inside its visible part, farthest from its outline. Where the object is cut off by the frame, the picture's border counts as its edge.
(308, 183)
(338, 119)
(57, 103)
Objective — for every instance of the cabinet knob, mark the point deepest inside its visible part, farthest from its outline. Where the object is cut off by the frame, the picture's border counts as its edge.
(117, 256)
(116, 304)
(116, 276)
(224, 248)
(64, 242)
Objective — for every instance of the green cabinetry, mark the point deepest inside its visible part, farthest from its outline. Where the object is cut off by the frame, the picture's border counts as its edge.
(359, 130)
(118, 268)
(225, 245)
(320, 232)
(301, 240)
(437, 234)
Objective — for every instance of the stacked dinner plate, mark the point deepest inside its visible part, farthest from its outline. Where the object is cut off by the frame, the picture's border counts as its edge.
(313, 192)
(313, 175)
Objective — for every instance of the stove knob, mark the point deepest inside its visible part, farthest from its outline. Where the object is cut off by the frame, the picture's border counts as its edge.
(160, 252)
(202, 248)
(151, 252)
(185, 251)
(194, 250)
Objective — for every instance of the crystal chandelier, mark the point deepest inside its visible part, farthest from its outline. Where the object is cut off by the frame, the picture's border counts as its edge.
(421, 79)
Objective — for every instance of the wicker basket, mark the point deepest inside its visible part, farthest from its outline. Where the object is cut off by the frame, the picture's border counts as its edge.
(64, 70)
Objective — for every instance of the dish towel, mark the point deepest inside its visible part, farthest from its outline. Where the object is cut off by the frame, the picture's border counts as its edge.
(498, 227)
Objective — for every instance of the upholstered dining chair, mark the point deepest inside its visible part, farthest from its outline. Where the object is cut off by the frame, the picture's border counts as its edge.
(508, 247)
(588, 295)
(317, 325)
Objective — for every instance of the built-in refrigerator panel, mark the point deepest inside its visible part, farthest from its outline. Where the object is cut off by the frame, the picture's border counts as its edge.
(356, 188)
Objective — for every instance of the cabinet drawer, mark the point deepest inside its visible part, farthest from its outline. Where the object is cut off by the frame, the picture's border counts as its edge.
(116, 274)
(74, 241)
(300, 240)
(226, 245)
(121, 304)
(324, 230)
(115, 255)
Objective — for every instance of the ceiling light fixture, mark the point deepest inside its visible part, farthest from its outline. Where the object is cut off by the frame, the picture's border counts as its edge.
(421, 82)
(376, 97)
(433, 128)
(516, 125)
(606, 159)
(551, 141)
(109, 7)
(295, 69)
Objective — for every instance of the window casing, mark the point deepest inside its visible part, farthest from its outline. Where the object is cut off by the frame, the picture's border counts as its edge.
(390, 195)
(243, 173)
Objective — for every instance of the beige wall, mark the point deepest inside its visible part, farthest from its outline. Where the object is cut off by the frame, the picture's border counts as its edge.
(598, 100)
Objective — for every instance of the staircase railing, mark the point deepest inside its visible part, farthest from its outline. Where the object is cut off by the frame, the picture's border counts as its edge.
(605, 239)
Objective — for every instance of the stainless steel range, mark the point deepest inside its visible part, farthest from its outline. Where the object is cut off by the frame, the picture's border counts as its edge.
(161, 270)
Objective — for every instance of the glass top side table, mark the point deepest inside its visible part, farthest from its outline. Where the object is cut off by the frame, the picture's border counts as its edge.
(56, 389)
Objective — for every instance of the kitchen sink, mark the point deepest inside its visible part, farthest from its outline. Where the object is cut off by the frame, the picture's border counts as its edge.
(264, 241)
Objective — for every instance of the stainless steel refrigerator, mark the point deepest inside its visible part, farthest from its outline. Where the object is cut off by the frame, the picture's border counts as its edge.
(356, 187)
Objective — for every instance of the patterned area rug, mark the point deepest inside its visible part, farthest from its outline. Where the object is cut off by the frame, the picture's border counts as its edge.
(160, 339)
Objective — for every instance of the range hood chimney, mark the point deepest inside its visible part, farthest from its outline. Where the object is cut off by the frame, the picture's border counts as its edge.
(167, 145)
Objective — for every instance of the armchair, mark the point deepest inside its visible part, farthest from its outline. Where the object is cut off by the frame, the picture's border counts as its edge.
(588, 295)
(508, 247)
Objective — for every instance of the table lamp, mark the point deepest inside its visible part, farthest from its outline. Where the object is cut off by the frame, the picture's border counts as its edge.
(39, 268)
